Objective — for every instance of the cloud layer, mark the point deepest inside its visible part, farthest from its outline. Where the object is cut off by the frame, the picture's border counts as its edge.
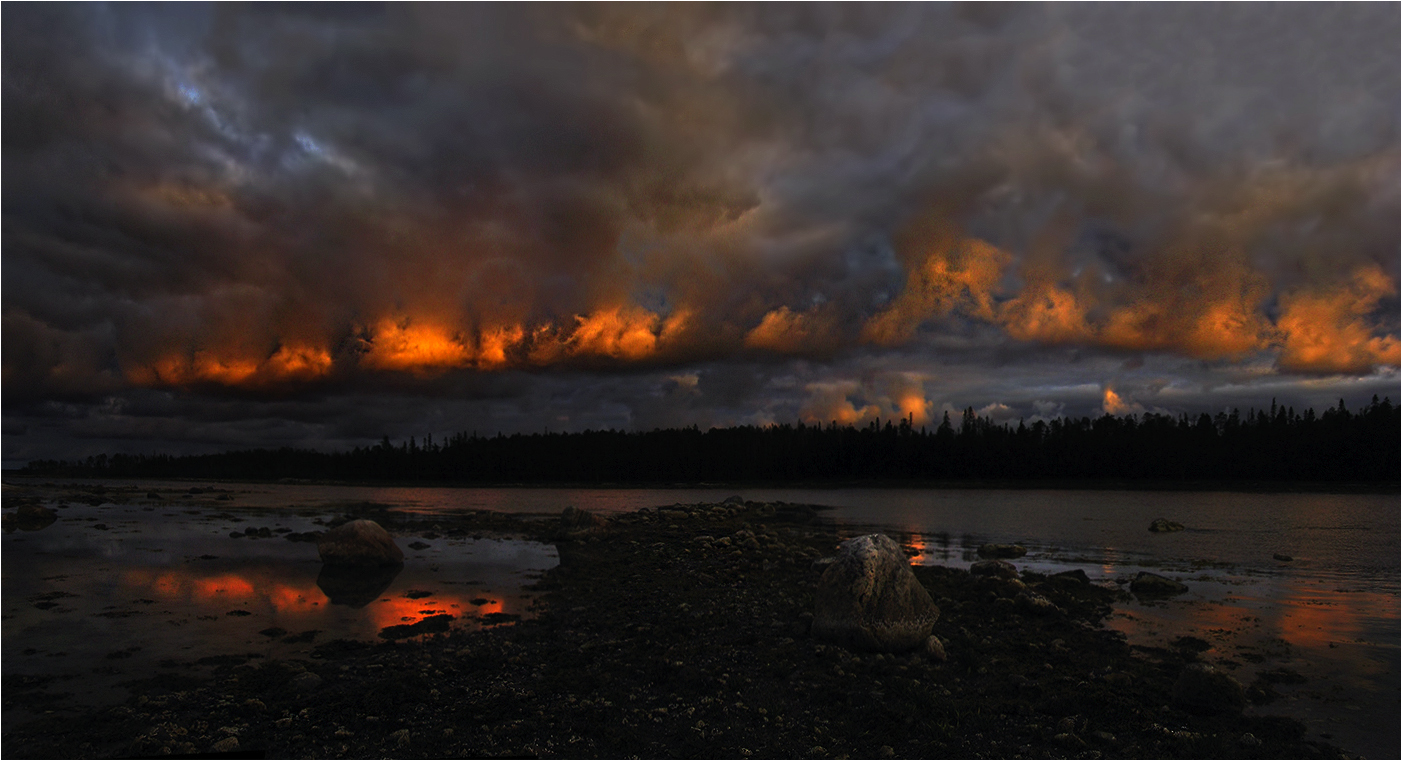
(659, 215)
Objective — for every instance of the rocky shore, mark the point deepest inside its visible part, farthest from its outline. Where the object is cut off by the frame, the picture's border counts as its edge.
(686, 632)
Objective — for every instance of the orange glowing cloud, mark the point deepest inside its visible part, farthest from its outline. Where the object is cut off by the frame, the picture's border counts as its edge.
(949, 271)
(415, 347)
(1045, 313)
(1327, 331)
(1113, 404)
(233, 367)
(786, 331)
(829, 402)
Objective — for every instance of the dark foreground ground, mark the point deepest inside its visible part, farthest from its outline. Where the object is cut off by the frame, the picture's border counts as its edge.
(653, 642)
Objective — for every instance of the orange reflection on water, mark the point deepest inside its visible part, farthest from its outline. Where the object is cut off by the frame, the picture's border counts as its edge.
(276, 595)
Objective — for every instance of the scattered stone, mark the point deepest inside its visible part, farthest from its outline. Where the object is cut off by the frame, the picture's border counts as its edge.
(359, 543)
(416, 545)
(1147, 584)
(1000, 569)
(1249, 740)
(1002, 551)
(1203, 689)
(273, 631)
(1037, 605)
(238, 613)
(418, 594)
(153, 495)
(734, 499)
(304, 682)
(582, 523)
(1282, 557)
(1163, 525)
(868, 599)
(934, 648)
(430, 624)
(227, 745)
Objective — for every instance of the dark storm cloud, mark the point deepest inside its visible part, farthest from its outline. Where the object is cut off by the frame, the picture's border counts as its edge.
(226, 225)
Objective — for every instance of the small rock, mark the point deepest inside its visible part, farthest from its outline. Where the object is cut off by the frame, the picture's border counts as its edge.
(419, 545)
(734, 499)
(153, 495)
(1037, 605)
(1282, 557)
(1000, 569)
(1148, 584)
(1068, 740)
(34, 517)
(1249, 740)
(227, 745)
(1102, 736)
(1002, 550)
(1163, 525)
(934, 648)
(304, 682)
(401, 737)
(885, 751)
(1077, 576)
(1203, 689)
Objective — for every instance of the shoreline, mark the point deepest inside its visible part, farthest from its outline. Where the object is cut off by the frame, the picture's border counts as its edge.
(651, 642)
(1241, 486)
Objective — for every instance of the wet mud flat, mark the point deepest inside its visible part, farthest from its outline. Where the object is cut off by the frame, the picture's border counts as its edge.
(676, 633)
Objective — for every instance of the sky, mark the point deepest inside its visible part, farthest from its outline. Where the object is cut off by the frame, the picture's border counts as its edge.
(234, 226)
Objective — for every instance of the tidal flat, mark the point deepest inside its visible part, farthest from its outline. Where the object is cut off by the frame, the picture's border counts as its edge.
(678, 632)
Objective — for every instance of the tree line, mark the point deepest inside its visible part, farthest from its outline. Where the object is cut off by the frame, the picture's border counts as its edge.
(1278, 444)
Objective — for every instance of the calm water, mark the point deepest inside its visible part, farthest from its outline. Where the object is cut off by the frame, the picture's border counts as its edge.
(164, 580)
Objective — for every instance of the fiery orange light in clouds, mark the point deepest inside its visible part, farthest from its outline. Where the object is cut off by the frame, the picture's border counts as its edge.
(291, 362)
(1113, 404)
(953, 272)
(415, 347)
(1327, 331)
(1045, 313)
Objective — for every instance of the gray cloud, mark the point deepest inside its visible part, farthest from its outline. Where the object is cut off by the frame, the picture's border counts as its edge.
(231, 225)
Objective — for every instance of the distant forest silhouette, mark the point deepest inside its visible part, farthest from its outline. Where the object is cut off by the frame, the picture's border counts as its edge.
(1275, 445)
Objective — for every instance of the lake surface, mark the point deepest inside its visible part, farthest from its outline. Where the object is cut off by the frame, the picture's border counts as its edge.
(162, 579)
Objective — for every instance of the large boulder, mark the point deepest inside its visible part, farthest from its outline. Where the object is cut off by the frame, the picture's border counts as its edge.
(1203, 689)
(868, 599)
(1147, 584)
(359, 543)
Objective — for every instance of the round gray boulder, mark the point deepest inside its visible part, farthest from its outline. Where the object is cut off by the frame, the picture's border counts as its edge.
(359, 543)
(868, 599)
